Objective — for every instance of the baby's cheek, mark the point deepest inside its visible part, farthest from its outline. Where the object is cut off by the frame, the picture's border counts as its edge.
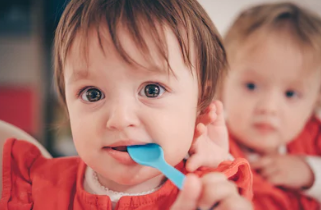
(82, 138)
(176, 152)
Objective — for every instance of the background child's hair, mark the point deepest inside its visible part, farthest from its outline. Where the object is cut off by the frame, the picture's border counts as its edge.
(299, 23)
(186, 18)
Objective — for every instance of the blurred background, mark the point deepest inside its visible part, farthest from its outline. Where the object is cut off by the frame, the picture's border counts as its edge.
(27, 95)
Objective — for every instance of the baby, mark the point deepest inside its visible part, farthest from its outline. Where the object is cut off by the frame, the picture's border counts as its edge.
(129, 73)
(271, 95)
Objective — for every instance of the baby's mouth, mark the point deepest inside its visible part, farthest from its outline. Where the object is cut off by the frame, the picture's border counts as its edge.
(120, 148)
(120, 154)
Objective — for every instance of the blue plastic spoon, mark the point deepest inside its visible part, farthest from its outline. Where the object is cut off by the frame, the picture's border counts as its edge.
(152, 155)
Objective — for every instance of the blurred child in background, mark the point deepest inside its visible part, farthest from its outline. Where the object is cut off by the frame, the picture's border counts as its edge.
(271, 95)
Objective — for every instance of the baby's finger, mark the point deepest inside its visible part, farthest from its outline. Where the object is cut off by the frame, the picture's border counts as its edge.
(277, 179)
(268, 171)
(215, 156)
(235, 202)
(194, 162)
(261, 163)
(216, 188)
(219, 106)
(188, 197)
(209, 116)
(211, 107)
(220, 118)
(200, 129)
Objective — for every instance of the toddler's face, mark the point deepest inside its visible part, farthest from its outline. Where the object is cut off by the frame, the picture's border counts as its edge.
(113, 104)
(270, 93)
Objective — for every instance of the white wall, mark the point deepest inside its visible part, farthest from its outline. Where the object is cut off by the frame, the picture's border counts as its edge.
(223, 12)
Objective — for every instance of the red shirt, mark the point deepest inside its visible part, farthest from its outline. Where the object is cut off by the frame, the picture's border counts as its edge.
(31, 181)
(268, 196)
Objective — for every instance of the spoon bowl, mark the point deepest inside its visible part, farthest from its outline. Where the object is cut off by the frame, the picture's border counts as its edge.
(146, 154)
(152, 155)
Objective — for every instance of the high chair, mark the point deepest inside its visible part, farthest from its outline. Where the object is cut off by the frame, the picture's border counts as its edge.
(7, 131)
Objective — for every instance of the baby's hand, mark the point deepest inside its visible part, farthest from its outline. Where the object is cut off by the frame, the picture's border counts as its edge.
(210, 145)
(212, 190)
(289, 171)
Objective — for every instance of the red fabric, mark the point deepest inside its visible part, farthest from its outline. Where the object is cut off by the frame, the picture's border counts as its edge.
(32, 182)
(268, 196)
(19, 107)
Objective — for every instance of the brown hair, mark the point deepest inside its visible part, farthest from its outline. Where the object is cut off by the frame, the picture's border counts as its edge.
(186, 18)
(302, 25)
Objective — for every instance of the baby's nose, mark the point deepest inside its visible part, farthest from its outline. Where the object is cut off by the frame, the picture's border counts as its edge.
(268, 104)
(123, 115)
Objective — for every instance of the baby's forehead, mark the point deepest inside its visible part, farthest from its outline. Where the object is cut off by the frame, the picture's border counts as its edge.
(88, 52)
(153, 52)
(278, 49)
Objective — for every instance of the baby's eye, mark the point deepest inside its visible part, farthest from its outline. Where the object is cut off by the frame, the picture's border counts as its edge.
(152, 91)
(250, 86)
(290, 94)
(92, 95)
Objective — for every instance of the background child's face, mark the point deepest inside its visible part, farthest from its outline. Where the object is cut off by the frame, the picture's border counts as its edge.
(130, 105)
(270, 93)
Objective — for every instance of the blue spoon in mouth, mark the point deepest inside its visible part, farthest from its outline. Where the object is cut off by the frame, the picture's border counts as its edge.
(152, 155)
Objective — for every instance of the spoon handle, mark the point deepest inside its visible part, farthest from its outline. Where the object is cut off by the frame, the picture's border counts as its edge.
(172, 174)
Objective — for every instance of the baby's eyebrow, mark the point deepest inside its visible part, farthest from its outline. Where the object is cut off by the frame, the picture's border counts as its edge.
(78, 75)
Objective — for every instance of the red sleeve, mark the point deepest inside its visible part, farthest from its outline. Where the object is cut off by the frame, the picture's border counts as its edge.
(309, 142)
(318, 139)
(238, 171)
(18, 158)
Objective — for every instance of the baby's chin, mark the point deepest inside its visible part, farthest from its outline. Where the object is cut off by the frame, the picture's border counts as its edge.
(261, 143)
(145, 180)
